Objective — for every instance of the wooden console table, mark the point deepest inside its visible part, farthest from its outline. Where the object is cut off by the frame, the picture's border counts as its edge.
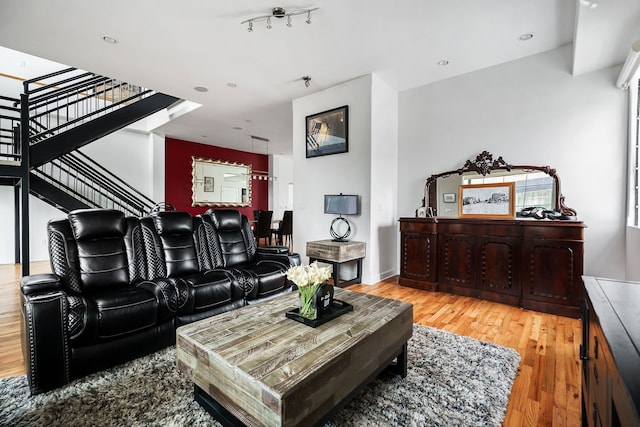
(609, 353)
(535, 264)
(337, 253)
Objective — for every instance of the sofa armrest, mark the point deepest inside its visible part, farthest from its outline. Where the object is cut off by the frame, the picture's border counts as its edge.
(289, 260)
(294, 259)
(167, 293)
(40, 284)
(45, 340)
(273, 250)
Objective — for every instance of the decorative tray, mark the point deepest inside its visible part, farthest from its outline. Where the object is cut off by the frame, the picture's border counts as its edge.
(337, 308)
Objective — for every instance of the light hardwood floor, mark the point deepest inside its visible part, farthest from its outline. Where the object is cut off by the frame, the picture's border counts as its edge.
(546, 391)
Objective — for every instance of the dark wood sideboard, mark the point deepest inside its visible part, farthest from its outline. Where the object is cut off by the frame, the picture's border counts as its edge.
(610, 353)
(535, 264)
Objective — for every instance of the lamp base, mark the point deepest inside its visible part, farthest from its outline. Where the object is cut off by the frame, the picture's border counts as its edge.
(335, 232)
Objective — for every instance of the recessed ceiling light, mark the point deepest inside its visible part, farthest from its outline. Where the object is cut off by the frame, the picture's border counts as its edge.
(200, 89)
(525, 37)
(591, 4)
(443, 62)
(110, 40)
(232, 84)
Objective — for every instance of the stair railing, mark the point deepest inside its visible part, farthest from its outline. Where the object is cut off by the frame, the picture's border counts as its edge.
(81, 177)
(71, 97)
(9, 129)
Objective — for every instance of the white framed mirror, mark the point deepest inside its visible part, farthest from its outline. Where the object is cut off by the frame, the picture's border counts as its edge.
(220, 183)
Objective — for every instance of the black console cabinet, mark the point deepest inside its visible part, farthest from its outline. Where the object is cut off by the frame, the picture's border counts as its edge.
(610, 353)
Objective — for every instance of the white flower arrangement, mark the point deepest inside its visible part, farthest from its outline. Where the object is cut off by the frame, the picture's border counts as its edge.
(308, 275)
(308, 278)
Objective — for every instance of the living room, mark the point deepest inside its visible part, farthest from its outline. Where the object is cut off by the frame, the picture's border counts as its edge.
(534, 109)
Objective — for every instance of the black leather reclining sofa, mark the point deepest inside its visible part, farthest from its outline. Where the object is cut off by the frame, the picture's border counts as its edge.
(122, 285)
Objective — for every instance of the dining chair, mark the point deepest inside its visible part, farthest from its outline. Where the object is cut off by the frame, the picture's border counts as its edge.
(263, 227)
(285, 231)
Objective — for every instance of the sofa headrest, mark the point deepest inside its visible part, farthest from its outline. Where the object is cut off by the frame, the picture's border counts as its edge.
(225, 219)
(172, 222)
(96, 223)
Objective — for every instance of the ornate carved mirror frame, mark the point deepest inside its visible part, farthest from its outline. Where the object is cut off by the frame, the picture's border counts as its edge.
(220, 183)
(484, 164)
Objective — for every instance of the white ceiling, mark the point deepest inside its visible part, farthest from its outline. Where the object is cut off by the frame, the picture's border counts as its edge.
(173, 46)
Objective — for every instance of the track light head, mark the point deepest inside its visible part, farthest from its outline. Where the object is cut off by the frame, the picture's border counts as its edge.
(279, 12)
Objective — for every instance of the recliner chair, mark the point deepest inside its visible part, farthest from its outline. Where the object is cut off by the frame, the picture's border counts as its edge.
(96, 310)
(172, 254)
(262, 271)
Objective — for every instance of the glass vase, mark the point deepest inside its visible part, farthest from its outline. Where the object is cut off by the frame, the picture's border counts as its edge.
(308, 308)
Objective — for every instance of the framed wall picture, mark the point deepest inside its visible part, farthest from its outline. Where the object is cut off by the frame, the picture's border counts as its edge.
(208, 184)
(328, 132)
(449, 197)
(487, 200)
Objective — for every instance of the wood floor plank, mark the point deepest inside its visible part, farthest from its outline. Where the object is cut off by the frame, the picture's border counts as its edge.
(546, 391)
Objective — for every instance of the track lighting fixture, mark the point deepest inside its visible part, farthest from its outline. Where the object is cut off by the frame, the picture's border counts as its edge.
(307, 81)
(279, 12)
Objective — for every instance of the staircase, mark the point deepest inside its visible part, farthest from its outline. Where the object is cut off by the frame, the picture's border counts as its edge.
(41, 132)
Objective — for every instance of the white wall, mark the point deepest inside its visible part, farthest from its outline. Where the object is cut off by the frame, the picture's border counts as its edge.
(368, 169)
(157, 157)
(281, 167)
(383, 233)
(39, 214)
(530, 111)
(347, 173)
(126, 154)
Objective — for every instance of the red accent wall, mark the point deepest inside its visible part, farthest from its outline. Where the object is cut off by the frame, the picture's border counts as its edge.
(178, 174)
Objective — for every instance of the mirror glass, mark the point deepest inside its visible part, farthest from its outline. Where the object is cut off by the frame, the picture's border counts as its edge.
(533, 188)
(220, 183)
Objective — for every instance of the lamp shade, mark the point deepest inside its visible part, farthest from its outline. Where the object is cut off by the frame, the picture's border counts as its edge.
(342, 204)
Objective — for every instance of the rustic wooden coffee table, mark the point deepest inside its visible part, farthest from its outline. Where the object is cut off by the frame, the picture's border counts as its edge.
(254, 366)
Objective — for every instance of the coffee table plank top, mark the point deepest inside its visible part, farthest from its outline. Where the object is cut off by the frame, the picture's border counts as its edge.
(270, 370)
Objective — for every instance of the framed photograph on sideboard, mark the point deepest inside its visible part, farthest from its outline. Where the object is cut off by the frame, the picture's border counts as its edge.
(487, 200)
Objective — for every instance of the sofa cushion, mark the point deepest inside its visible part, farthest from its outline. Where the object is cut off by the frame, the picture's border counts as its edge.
(209, 290)
(172, 222)
(175, 230)
(123, 311)
(226, 219)
(89, 224)
(233, 243)
(103, 263)
(100, 248)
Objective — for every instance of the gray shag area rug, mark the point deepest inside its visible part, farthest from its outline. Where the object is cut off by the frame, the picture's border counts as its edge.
(452, 381)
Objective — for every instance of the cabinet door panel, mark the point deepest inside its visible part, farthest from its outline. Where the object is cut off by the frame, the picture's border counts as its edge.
(499, 266)
(551, 274)
(417, 250)
(456, 261)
